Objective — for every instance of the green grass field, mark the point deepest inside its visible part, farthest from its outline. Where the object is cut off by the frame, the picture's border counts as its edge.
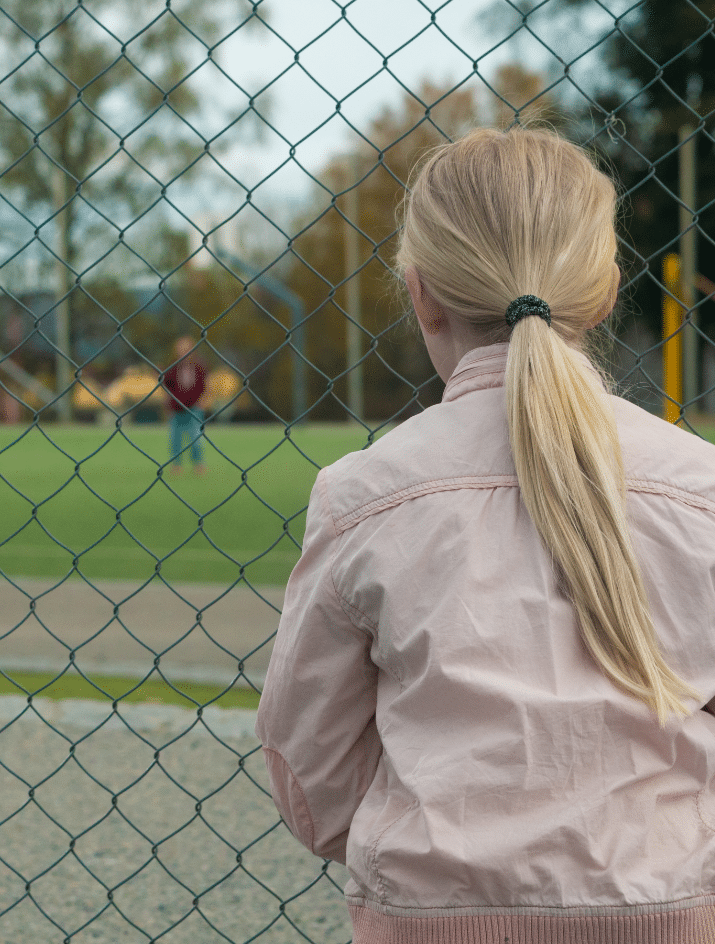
(107, 688)
(88, 493)
(93, 495)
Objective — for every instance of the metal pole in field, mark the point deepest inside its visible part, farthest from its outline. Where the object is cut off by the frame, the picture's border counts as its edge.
(688, 264)
(352, 274)
(297, 309)
(63, 367)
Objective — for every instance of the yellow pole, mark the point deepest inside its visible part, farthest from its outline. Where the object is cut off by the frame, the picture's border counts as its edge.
(672, 346)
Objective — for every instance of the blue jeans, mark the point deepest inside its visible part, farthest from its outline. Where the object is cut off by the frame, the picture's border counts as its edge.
(186, 423)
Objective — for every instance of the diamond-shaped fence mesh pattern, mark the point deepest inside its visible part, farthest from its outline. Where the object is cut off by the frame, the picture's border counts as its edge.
(225, 176)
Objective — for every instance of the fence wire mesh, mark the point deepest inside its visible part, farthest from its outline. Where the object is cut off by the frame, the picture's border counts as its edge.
(155, 185)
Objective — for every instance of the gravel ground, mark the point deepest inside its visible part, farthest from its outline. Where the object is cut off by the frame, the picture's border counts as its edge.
(149, 826)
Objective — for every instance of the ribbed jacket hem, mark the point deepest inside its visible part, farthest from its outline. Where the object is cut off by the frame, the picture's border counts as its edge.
(677, 923)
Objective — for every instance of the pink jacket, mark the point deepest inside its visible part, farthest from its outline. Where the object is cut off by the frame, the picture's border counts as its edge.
(432, 719)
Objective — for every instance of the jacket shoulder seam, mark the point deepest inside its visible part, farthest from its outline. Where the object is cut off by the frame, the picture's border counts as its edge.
(346, 605)
(634, 484)
(320, 482)
(350, 609)
(423, 488)
(672, 491)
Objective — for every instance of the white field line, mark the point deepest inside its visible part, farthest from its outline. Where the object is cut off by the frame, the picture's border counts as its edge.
(165, 719)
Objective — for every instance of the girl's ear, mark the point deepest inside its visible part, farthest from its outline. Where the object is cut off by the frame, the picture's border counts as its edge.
(426, 308)
(610, 301)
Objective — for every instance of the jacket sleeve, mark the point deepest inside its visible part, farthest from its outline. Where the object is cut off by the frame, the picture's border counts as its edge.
(316, 718)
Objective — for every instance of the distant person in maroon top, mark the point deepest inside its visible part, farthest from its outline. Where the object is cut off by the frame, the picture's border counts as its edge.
(185, 383)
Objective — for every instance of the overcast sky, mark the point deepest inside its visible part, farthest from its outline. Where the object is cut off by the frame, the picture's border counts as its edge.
(346, 54)
(343, 61)
(309, 45)
(331, 53)
(309, 58)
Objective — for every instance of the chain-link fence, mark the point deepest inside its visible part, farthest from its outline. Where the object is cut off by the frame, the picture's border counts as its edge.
(228, 173)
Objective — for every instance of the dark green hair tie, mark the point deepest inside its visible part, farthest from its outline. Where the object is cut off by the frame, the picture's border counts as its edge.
(527, 305)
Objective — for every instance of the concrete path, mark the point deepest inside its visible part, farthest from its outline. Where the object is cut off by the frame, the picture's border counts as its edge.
(117, 627)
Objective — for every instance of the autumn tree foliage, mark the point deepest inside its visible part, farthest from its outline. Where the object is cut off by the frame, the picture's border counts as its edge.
(101, 119)
(397, 362)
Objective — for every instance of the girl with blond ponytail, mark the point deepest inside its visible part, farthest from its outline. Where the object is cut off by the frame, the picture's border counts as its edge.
(525, 214)
(485, 691)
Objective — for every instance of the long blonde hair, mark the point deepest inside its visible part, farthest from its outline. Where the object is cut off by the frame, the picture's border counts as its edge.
(500, 214)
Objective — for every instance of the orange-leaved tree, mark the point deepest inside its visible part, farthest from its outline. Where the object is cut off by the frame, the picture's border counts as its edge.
(350, 233)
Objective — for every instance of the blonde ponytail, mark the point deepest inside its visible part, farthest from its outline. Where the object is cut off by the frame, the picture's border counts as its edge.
(570, 469)
(497, 215)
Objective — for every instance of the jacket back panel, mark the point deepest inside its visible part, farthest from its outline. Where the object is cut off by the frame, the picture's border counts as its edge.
(507, 753)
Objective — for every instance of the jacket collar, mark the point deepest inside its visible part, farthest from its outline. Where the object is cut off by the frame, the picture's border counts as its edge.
(480, 368)
(484, 367)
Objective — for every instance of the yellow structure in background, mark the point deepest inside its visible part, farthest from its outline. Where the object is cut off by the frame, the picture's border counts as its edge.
(673, 347)
(222, 385)
(86, 397)
(225, 395)
(139, 384)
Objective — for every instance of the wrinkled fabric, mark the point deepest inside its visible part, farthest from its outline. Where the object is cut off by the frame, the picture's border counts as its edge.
(430, 713)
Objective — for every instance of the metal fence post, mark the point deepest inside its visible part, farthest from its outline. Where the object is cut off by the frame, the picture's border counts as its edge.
(63, 375)
(352, 274)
